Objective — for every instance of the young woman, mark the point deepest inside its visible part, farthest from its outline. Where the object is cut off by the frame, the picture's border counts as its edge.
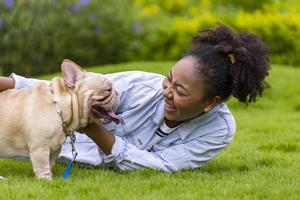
(180, 121)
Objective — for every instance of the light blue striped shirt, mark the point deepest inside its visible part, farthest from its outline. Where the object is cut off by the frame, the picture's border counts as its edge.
(191, 145)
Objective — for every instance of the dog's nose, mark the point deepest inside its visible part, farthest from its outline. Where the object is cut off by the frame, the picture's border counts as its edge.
(107, 93)
(102, 98)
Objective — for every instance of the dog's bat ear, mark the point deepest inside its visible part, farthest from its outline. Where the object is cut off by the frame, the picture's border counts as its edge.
(71, 72)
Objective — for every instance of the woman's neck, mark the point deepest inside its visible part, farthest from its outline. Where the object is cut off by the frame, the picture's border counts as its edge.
(172, 124)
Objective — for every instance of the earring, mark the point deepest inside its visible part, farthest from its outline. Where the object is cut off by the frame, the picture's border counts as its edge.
(205, 109)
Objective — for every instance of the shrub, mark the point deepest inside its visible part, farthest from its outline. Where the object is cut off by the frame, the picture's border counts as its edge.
(36, 35)
(277, 24)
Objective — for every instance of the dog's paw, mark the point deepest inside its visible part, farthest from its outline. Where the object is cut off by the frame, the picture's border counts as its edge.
(47, 178)
(1, 178)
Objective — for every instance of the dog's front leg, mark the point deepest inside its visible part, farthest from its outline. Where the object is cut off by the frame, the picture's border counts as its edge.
(54, 155)
(40, 158)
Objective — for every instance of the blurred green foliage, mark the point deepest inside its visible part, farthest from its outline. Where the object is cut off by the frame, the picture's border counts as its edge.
(275, 21)
(36, 35)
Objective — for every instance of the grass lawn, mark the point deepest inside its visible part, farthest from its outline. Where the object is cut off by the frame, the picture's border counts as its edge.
(263, 161)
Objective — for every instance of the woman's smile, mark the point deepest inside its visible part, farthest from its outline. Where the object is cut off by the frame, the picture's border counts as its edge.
(169, 108)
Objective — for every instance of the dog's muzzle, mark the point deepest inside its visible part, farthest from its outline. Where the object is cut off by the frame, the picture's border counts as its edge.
(105, 116)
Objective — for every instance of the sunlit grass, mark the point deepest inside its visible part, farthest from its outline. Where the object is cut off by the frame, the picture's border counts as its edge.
(263, 161)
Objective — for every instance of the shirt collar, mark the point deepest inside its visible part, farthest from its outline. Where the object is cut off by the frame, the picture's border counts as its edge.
(158, 116)
(187, 127)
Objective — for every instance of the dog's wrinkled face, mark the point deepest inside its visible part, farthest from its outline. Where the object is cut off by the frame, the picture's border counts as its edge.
(95, 90)
(103, 100)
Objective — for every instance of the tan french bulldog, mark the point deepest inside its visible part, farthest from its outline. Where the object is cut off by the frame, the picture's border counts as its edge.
(31, 118)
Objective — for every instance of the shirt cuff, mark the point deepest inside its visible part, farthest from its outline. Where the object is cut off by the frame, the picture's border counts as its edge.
(22, 82)
(117, 151)
(17, 80)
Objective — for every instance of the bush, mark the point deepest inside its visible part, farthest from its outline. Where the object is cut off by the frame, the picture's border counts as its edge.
(280, 31)
(277, 24)
(37, 35)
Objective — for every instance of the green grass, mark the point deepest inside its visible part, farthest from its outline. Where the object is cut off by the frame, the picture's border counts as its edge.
(263, 161)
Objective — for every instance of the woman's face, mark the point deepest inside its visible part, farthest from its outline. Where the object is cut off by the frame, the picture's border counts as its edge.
(183, 91)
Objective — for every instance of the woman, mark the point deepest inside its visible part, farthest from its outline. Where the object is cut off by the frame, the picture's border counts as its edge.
(185, 123)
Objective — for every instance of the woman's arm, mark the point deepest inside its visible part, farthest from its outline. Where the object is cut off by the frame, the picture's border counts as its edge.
(193, 154)
(101, 136)
(190, 154)
(6, 83)
(126, 156)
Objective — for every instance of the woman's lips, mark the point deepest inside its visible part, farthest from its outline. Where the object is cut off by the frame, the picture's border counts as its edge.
(169, 108)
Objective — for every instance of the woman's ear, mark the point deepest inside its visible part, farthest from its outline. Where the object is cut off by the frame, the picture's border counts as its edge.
(212, 103)
(71, 72)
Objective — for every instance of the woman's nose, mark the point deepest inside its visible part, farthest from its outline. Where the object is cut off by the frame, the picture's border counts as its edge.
(168, 92)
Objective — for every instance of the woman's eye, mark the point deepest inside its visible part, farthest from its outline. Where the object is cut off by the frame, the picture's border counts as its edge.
(180, 93)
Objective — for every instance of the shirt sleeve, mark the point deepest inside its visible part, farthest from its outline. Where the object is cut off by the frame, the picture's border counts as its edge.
(22, 82)
(192, 154)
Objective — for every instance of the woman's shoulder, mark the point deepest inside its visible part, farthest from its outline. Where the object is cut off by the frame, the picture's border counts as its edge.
(137, 88)
(225, 115)
(218, 122)
(221, 120)
(134, 77)
(136, 82)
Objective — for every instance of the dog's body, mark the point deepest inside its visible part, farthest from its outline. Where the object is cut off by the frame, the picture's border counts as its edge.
(30, 122)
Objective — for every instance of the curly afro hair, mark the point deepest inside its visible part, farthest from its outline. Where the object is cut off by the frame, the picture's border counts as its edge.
(231, 63)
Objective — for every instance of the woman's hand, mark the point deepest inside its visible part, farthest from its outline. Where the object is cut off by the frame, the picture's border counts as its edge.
(100, 135)
(6, 83)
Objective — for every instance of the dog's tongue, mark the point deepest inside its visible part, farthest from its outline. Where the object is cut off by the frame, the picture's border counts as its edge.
(114, 117)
